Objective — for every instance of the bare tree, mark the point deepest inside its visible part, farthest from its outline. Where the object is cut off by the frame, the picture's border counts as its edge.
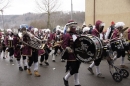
(3, 5)
(48, 6)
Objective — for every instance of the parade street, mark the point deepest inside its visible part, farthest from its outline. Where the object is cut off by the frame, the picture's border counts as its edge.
(53, 74)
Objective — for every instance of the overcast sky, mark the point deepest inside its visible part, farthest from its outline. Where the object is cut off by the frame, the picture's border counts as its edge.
(25, 6)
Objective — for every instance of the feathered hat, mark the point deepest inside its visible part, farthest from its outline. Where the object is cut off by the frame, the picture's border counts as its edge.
(35, 30)
(69, 24)
(119, 24)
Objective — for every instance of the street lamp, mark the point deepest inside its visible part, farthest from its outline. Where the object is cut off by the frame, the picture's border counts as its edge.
(2, 18)
(71, 9)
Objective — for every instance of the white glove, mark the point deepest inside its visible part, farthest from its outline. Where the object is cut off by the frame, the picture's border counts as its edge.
(21, 46)
(7, 48)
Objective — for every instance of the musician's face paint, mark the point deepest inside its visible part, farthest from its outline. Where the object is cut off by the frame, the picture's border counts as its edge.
(101, 29)
(73, 29)
(58, 32)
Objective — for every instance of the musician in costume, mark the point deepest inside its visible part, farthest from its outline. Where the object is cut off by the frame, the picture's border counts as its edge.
(110, 31)
(117, 33)
(72, 66)
(45, 53)
(22, 48)
(129, 34)
(9, 44)
(129, 44)
(99, 26)
(30, 52)
(0, 43)
(41, 52)
(91, 28)
(86, 30)
(17, 50)
(4, 46)
(56, 37)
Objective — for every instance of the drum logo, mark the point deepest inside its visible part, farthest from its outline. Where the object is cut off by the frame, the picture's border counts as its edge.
(83, 60)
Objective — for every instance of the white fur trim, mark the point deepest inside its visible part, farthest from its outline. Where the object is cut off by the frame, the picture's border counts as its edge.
(102, 24)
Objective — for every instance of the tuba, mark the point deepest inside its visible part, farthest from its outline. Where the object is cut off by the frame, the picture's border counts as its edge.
(32, 40)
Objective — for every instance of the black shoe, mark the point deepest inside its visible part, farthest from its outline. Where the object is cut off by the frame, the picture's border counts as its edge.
(65, 82)
(62, 60)
(4, 58)
(11, 60)
(47, 64)
(91, 70)
(20, 68)
(25, 67)
(77, 85)
(40, 64)
(53, 61)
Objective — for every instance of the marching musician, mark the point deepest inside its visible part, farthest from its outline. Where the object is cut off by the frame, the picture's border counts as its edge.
(0, 43)
(17, 51)
(45, 53)
(57, 38)
(99, 26)
(72, 66)
(4, 46)
(117, 33)
(129, 44)
(9, 44)
(91, 28)
(30, 52)
(86, 30)
(129, 34)
(110, 31)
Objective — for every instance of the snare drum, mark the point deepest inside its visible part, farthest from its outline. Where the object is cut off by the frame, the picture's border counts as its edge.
(88, 47)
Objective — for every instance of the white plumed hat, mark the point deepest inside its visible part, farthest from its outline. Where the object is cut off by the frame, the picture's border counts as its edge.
(9, 30)
(86, 29)
(57, 27)
(35, 30)
(47, 30)
(119, 24)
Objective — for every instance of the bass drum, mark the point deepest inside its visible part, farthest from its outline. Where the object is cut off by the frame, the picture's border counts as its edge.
(88, 47)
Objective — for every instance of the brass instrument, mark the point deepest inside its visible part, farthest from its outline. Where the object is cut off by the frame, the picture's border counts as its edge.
(33, 41)
(58, 43)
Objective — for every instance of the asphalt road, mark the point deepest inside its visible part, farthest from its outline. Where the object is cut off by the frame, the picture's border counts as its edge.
(52, 75)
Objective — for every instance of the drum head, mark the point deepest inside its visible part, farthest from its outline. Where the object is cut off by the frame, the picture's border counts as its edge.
(84, 49)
